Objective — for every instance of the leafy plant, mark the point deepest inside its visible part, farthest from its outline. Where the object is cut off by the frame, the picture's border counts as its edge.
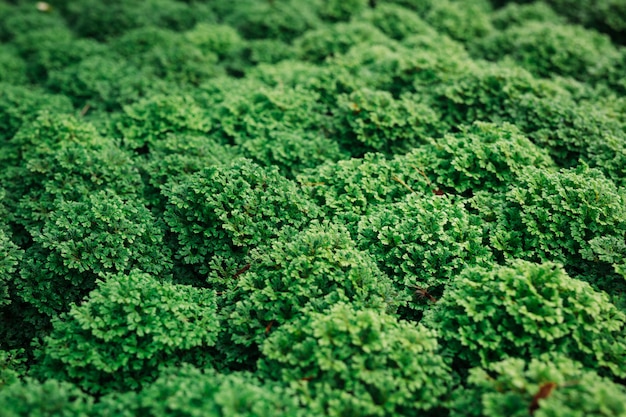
(51, 398)
(312, 270)
(132, 325)
(524, 310)
(358, 362)
(422, 242)
(551, 385)
(84, 240)
(188, 391)
(221, 213)
(547, 49)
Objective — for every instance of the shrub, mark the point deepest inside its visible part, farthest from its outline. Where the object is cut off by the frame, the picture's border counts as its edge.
(103, 82)
(91, 18)
(12, 67)
(554, 215)
(268, 51)
(243, 111)
(465, 23)
(339, 10)
(571, 131)
(514, 14)
(354, 362)
(317, 45)
(281, 19)
(132, 325)
(20, 104)
(50, 398)
(372, 120)
(523, 310)
(397, 22)
(221, 213)
(548, 386)
(178, 154)
(400, 68)
(547, 49)
(188, 391)
(60, 158)
(47, 49)
(84, 240)
(220, 40)
(606, 15)
(487, 93)
(175, 57)
(48, 133)
(422, 242)
(292, 152)
(17, 20)
(12, 367)
(151, 119)
(481, 157)
(421, 7)
(314, 270)
(348, 189)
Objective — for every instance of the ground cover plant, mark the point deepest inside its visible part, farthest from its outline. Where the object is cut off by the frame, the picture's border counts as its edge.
(326, 207)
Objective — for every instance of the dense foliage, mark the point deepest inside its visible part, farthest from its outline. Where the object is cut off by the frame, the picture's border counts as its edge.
(312, 207)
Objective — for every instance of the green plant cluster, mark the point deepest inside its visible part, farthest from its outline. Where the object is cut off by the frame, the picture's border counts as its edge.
(312, 207)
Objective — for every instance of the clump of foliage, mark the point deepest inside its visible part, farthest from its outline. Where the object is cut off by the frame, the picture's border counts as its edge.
(258, 109)
(487, 93)
(312, 270)
(41, 399)
(83, 240)
(358, 362)
(188, 391)
(12, 67)
(557, 215)
(222, 212)
(320, 44)
(398, 22)
(608, 16)
(153, 118)
(280, 19)
(104, 82)
(381, 123)
(462, 23)
(551, 385)
(340, 10)
(575, 131)
(131, 326)
(546, 49)
(292, 152)
(481, 157)
(180, 154)
(350, 188)
(19, 104)
(12, 367)
(91, 18)
(513, 14)
(523, 310)
(57, 158)
(422, 242)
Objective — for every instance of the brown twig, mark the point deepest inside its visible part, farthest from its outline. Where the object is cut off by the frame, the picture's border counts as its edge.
(544, 391)
(85, 109)
(269, 327)
(423, 293)
(241, 271)
(404, 184)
